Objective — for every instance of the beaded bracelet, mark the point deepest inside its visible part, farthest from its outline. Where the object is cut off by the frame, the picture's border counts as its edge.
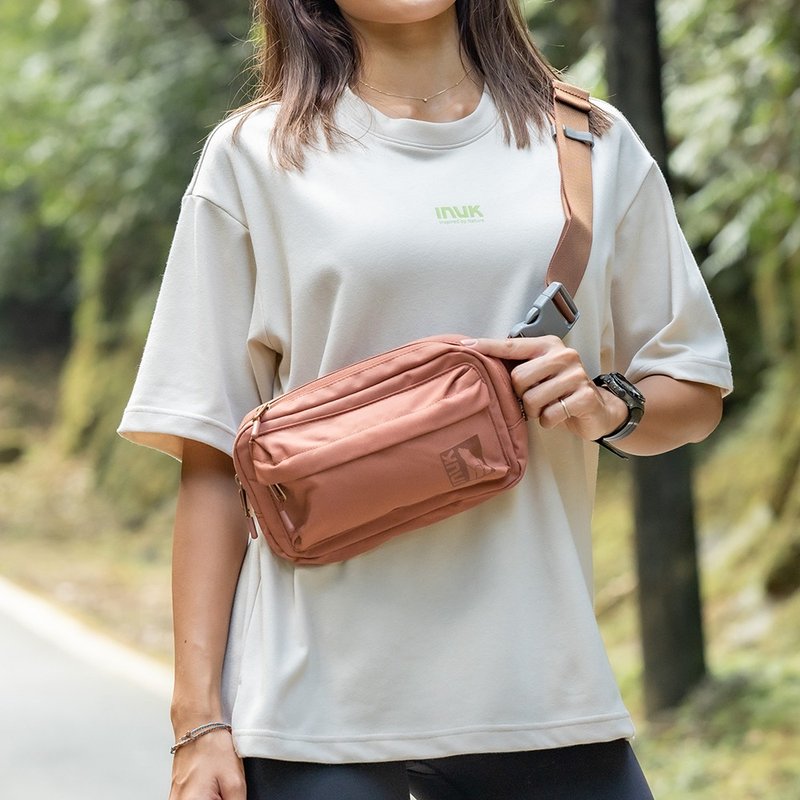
(196, 733)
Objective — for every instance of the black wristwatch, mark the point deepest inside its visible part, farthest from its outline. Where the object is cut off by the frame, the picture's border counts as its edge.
(621, 387)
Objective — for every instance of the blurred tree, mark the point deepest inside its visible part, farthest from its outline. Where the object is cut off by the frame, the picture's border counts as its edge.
(732, 72)
(37, 257)
(669, 598)
(223, 19)
(107, 106)
(567, 33)
(37, 275)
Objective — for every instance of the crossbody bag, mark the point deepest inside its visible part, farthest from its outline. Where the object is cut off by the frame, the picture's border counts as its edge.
(411, 436)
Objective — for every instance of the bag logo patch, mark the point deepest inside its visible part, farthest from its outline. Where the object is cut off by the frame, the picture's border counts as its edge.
(464, 462)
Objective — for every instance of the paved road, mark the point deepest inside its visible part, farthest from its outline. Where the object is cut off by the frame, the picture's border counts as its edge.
(80, 717)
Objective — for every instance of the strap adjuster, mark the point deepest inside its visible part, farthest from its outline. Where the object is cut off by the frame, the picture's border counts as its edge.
(578, 136)
(553, 314)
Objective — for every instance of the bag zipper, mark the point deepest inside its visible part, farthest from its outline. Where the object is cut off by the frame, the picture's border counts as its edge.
(248, 510)
(327, 380)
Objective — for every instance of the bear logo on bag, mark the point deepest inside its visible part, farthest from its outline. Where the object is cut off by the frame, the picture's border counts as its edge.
(464, 462)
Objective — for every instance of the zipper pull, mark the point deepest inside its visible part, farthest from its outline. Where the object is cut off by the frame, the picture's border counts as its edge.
(248, 511)
(279, 493)
(255, 417)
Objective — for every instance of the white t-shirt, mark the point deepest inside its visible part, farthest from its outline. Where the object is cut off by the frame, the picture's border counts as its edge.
(476, 634)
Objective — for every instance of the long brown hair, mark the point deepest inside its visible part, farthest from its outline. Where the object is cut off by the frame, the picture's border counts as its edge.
(306, 55)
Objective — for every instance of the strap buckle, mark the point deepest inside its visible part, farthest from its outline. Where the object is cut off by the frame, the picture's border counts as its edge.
(578, 136)
(554, 313)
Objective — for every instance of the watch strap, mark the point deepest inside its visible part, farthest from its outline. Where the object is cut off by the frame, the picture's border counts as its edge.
(621, 387)
(610, 447)
(627, 427)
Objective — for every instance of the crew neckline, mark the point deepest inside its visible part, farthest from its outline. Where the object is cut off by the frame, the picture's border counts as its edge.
(417, 132)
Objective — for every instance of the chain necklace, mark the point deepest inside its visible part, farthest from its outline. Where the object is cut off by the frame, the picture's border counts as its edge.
(411, 97)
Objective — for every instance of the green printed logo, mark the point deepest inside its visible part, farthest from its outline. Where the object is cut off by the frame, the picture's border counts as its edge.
(449, 215)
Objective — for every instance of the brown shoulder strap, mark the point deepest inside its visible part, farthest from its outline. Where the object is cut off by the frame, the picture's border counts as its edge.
(574, 142)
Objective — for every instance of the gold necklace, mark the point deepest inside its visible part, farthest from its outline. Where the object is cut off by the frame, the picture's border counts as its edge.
(411, 97)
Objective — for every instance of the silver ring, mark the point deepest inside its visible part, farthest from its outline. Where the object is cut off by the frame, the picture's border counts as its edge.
(564, 406)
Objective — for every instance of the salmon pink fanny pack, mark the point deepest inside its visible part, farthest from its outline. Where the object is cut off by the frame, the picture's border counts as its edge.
(410, 436)
(386, 445)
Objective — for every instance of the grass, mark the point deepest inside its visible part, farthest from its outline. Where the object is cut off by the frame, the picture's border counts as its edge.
(735, 737)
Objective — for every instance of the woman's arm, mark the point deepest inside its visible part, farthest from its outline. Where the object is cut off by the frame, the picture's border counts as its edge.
(208, 548)
(676, 412)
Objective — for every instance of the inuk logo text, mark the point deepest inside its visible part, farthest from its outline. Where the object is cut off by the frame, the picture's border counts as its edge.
(449, 215)
(464, 463)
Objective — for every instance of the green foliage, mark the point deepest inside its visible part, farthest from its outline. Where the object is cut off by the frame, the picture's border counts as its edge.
(37, 273)
(565, 32)
(732, 72)
(569, 35)
(107, 119)
(107, 105)
(95, 388)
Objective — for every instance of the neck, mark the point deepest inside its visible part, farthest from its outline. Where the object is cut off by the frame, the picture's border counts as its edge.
(416, 60)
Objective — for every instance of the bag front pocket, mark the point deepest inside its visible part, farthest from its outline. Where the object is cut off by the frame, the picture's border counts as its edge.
(346, 470)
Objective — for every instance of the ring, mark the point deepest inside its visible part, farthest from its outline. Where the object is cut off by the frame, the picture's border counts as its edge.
(564, 406)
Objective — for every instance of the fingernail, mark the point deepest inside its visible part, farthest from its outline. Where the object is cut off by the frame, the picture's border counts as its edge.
(469, 342)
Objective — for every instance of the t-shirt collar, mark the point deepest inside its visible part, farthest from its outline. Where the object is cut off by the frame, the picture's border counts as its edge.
(357, 116)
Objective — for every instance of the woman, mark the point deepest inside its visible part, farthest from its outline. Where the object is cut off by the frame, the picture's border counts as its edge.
(463, 660)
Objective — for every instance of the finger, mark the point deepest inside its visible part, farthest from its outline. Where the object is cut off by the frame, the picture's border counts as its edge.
(538, 398)
(555, 414)
(515, 349)
(559, 364)
(578, 407)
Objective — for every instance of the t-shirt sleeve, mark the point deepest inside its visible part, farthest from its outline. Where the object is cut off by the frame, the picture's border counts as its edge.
(663, 316)
(203, 366)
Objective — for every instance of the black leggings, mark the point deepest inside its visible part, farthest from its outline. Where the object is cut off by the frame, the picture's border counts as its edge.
(604, 771)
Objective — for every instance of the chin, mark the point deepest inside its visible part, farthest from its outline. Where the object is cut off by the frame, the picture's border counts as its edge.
(394, 12)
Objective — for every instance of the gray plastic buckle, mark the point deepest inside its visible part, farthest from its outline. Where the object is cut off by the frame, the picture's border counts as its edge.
(545, 318)
(579, 136)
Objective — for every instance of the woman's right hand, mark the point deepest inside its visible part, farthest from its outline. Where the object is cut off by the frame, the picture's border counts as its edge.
(208, 769)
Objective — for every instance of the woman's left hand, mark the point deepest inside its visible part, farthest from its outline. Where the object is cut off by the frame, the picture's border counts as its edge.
(554, 386)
